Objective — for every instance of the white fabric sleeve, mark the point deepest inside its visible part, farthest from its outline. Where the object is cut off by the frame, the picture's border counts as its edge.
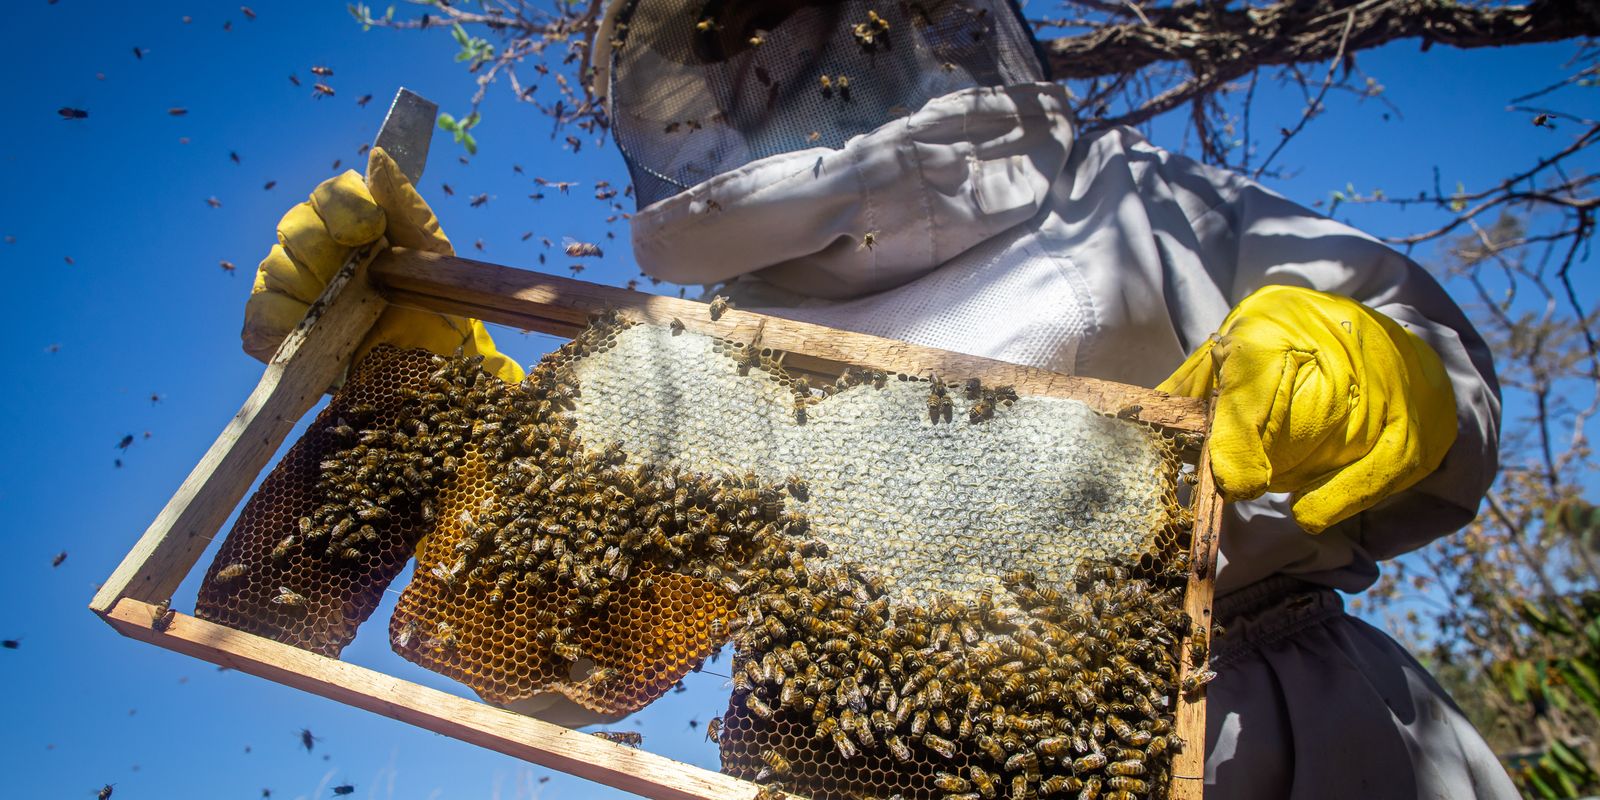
(1249, 237)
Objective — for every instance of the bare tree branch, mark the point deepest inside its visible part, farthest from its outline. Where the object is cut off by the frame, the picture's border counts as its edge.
(1219, 45)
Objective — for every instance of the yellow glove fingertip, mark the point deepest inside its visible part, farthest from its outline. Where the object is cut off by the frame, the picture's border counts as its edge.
(1315, 512)
(279, 273)
(494, 362)
(268, 317)
(1241, 471)
(411, 222)
(303, 234)
(348, 210)
(1195, 376)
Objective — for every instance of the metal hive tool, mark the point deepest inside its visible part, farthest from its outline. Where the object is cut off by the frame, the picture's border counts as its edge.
(933, 589)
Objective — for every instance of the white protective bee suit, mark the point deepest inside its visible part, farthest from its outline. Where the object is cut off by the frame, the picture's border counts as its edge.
(1000, 232)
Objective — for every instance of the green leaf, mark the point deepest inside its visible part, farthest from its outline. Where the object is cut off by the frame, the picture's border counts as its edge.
(460, 35)
(1542, 620)
(1570, 760)
(1569, 787)
(1582, 679)
(470, 143)
(1518, 679)
(448, 123)
(1543, 789)
(1458, 203)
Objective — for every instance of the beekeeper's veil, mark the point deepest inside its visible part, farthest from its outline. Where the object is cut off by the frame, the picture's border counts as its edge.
(700, 87)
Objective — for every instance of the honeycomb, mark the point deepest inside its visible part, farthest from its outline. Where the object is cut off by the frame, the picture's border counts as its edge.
(932, 588)
(265, 579)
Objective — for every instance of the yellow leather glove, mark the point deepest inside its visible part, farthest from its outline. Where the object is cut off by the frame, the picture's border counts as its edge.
(1322, 397)
(316, 237)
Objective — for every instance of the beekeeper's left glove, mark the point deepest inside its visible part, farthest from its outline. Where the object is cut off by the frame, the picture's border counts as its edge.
(1322, 397)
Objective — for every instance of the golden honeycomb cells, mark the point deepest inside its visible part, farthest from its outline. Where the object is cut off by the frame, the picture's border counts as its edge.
(559, 567)
(243, 588)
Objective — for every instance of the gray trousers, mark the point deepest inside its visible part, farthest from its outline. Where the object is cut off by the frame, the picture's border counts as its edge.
(1310, 702)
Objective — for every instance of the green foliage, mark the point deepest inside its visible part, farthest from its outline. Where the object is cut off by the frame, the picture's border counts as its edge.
(460, 129)
(1568, 683)
(363, 14)
(1579, 520)
(475, 51)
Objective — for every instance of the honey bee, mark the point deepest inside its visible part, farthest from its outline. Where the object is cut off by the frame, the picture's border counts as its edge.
(707, 25)
(577, 249)
(1198, 648)
(898, 749)
(1056, 784)
(776, 762)
(290, 598)
(1053, 746)
(985, 783)
(868, 241)
(161, 616)
(980, 411)
(629, 738)
(944, 747)
(714, 729)
(1133, 785)
(443, 639)
(677, 326)
(232, 572)
(1126, 768)
(841, 742)
(757, 706)
(827, 86)
(1194, 682)
(402, 637)
(1089, 763)
(951, 783)
(814, 136)
(320, 90)
(719, 306)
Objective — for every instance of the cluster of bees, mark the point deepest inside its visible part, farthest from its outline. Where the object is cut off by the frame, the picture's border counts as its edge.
(338, 518)
(840, 684)
(1025, 692)
(561, 514)
(871, 32)
(982, 401)
(381, 469)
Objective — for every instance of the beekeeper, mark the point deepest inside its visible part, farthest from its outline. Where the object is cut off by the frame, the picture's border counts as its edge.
(908, 170)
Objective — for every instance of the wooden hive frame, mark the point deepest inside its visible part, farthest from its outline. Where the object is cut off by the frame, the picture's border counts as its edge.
(316, 354)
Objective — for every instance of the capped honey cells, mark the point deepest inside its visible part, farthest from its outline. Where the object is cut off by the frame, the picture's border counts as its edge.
(932, 587)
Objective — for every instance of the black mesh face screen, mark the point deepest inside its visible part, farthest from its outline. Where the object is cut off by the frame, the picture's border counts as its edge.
(700, 87)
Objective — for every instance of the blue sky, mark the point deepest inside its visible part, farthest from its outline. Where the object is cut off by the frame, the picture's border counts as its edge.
(139, 334)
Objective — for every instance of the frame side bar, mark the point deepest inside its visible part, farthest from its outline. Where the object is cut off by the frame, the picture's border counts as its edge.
(1188, 766)
(542, 743)
(548, 303)
(311, 359)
